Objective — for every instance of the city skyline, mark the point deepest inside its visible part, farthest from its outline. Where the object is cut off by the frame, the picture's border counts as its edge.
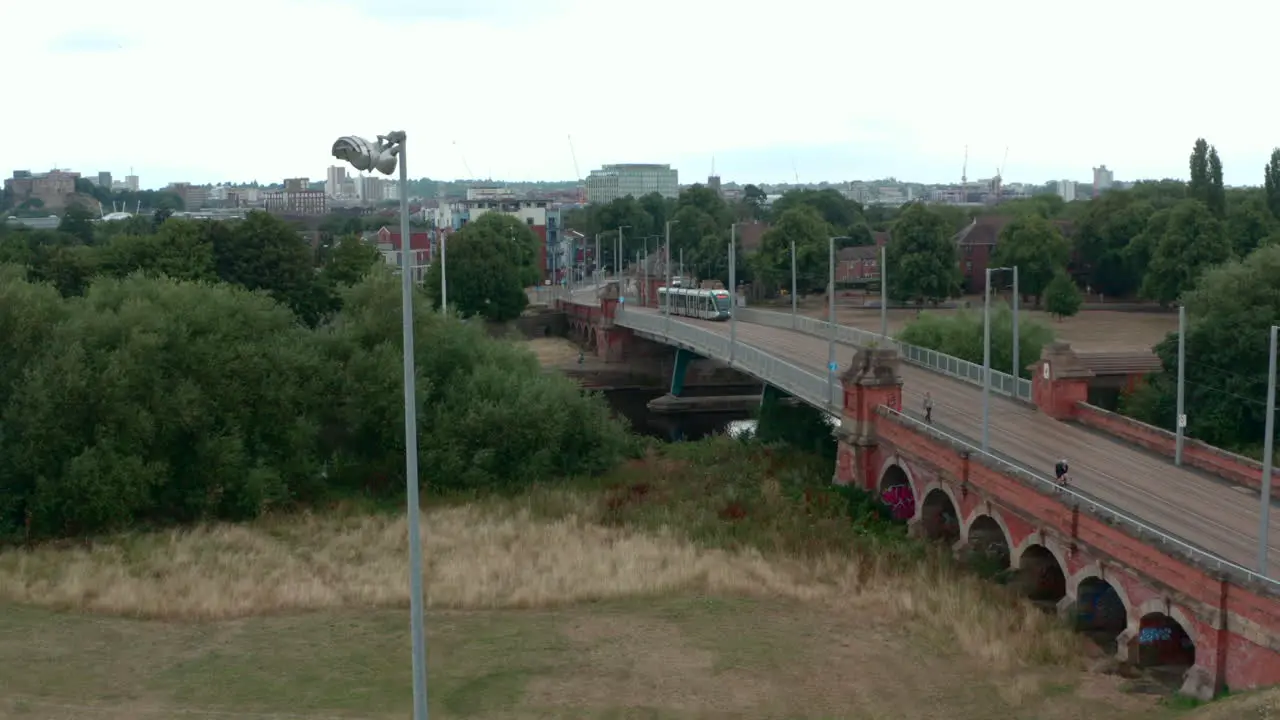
(815, 107)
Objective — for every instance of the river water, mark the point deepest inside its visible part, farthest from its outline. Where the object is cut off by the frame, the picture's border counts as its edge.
(633, 405)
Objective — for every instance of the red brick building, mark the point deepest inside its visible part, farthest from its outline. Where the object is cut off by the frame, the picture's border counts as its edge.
(976, 245)
(389, 244)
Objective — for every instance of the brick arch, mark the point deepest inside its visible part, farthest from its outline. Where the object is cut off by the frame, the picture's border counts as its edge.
(1048, 542)
(1158, 605)
(896, 459)
(1094, 570)
(992, 512)
(923, 493)
(592, 338)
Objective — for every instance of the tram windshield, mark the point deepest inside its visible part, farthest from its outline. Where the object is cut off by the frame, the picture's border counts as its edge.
(722, 301)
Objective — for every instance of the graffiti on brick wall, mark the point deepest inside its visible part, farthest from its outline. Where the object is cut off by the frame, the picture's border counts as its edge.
(901, 501)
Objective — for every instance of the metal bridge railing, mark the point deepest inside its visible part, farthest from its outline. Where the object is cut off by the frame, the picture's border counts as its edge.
(793, 379)
(817, 391)
(951, 366)
(1084, 499)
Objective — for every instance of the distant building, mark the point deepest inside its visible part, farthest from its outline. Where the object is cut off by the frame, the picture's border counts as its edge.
(489, 192)
(637, 180)
(295, 202)
(53, 189)
(335, 180)
(297, 184)
(1067, 190)
(103, 180)
(194, 197)
(1102, 179)
(389, 244)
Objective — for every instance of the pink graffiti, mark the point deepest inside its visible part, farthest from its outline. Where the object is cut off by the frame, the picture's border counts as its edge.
(901, 500)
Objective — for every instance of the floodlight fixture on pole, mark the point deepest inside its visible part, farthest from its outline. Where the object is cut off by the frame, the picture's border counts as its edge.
(383, 156)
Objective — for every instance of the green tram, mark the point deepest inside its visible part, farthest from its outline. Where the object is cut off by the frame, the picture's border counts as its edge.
(695, 302)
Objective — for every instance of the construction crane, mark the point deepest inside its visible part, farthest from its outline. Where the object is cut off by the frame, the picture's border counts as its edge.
(964, 177)
(582, 189)
(1000, 173)
(467, 167)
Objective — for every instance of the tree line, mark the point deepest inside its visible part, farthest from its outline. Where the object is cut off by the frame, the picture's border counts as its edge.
(190, 371)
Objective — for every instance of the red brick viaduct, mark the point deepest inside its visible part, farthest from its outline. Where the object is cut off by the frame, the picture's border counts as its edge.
(1158, 605)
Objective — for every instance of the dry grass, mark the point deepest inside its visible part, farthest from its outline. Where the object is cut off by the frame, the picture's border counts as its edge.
(478, 558)
(553, 351)
(577, 601)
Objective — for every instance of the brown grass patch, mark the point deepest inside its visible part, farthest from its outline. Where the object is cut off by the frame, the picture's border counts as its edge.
(478, 558)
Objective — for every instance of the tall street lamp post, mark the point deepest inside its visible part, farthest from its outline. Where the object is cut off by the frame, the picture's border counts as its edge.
(1264, 517)
(986, 350)
(831, 317)
(383, 156)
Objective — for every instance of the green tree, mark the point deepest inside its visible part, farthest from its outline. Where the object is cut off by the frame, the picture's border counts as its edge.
(1037, 248)
(77, 222)
(484, 279)
(961, 335)
(349, 262)
(922, 257)
(1062, 296)
(263, 252)
(192, 402)
(1230, 314)
(1249, 222)
(1271, 183)
(1193, 240)
(804, 226)
(1198, 188)
(1103, 234)
(1216, 197)
(754, 199)
(520, 241)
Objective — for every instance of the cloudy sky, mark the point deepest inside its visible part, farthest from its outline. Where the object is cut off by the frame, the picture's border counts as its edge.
(814, 89)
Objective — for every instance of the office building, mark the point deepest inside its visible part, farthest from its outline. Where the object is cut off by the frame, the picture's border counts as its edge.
(296, 202)
(637, 180)
(193, 196)
(1102, 179)
(1067, 190)
(335, 177)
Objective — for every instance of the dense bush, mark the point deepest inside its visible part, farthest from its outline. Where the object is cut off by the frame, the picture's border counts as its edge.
(151, 400)
(960, 335)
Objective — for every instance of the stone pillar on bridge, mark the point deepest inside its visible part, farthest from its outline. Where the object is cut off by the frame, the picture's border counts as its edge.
(1059, 381)
(872, 380)
(611, 340)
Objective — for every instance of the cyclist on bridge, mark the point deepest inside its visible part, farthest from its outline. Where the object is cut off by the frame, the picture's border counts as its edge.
(1060, 471)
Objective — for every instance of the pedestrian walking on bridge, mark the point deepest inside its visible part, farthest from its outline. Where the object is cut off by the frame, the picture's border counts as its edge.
(928, 408)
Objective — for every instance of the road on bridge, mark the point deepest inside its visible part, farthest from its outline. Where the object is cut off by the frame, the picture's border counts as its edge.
(1203, 510)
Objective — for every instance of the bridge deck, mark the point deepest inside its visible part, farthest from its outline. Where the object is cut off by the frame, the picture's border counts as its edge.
(1203, 510)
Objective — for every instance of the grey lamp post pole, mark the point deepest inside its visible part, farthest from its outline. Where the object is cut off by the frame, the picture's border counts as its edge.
(1264, 517)
(986, 363)
(383, 157)
(793, 285)
(733, 291)
(884, 292)
(986, 356)
(831, 317)
(1016, 370)
(1180, 422)
(666, 279)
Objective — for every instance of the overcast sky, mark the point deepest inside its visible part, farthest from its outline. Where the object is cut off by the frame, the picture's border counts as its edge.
(815, 89)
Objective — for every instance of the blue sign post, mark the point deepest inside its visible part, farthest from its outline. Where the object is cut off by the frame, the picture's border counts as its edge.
(832, 367)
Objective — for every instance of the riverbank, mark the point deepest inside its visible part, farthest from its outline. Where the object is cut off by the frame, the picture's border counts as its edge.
(710, 577)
